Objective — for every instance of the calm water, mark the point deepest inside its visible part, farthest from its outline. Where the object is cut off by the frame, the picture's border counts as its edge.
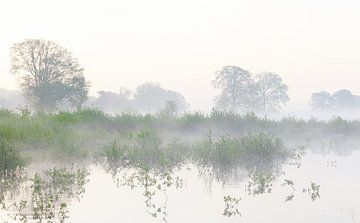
(198, 201)
(191, 194)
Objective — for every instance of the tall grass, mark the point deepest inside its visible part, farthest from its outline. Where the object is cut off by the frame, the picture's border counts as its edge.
(79, 132)
(144, 149)
(10, 159)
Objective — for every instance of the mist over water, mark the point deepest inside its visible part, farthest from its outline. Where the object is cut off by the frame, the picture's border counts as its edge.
(191, 111)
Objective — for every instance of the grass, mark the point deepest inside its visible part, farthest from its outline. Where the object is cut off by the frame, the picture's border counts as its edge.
(218, 158)
(152, 147)
(143, 149)
(10, 159)
(228, 156)
(80, 133)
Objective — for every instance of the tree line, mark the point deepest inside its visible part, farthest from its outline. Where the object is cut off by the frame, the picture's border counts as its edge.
(147, 98)
(339, 101)
(241, 92)
(50, 78)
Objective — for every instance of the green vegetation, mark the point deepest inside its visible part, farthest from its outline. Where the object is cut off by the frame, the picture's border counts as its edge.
(10, 159)
(145, 152)
(80, 133)
(48, 196)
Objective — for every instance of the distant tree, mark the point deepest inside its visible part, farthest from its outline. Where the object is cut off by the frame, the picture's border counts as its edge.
(151, 97)
(78, 90)
(345, 100)
(341, 100)
(125, 93)
(272, 92)
(321, 101)
(48, 74)
(114, 102)
(236, 87)
(170, 109)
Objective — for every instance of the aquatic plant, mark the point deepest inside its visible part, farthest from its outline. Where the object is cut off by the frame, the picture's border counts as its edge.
(226, 157)
(154, 184)
(49, 194)
(143, 149)
(79, 133)
(231, 206)
(259, 183)
(313, 190)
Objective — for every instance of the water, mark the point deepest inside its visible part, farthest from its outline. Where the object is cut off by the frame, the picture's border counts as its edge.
(190, 194)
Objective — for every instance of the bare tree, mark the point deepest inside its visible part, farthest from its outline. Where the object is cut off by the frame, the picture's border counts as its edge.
(47, 72)
(236, 86)
(321, 101)
(340, 101)
(272, 92)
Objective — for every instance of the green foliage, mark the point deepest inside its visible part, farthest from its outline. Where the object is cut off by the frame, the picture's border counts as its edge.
(24, 112)
(78, 133)
(7, 114)
(53, 77)
(266, 151)
(81, 115)
(254, 152)
(260, 183)
(49, 191)
(144, 149)
(10, 159)
(341, 126)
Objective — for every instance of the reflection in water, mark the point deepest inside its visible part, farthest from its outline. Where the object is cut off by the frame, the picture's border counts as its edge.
(231, 206)
(259, 183)
(313, 191)
(290, 184)
(332, 163)
(10, 182)
(154, 183)
(256, 158)
(254, 161)
(145, 163)
(230, 158)
(47, 196)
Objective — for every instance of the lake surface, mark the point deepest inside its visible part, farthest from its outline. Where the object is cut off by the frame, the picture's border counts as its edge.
(316, 188)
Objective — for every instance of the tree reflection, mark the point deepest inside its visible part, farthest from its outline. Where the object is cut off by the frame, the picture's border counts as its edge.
(47, 196)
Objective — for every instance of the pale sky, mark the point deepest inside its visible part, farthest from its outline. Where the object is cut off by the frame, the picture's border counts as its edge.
(313, 44)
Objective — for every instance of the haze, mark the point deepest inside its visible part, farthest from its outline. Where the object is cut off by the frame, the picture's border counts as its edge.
(313, 45)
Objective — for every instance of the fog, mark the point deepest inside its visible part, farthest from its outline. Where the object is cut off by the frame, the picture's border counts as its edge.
(312, 45)
(179, 111)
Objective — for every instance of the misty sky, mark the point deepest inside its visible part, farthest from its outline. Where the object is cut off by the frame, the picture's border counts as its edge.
(313, 44)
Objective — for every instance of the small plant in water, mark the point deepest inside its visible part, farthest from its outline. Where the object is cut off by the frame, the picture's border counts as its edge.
(155, 184)
(46, 203)
(313, 191)
(289, 183)
(231, 206)
(259, 183)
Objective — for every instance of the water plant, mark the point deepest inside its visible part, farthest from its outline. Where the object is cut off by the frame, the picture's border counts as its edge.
(50, 191)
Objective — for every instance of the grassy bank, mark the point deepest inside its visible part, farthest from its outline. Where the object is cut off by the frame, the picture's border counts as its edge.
(82, 132)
